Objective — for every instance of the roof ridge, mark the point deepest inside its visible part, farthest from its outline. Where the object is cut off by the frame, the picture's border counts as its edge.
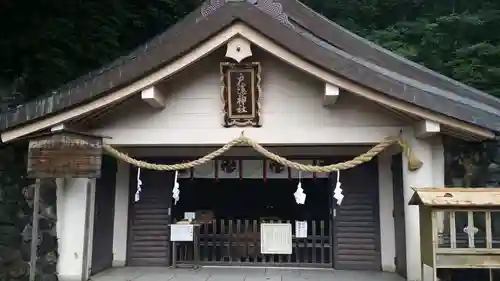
(270, 7)
(409, 80)
(196, 28)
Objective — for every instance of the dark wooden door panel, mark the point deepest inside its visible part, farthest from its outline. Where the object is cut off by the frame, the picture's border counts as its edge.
(104, 214)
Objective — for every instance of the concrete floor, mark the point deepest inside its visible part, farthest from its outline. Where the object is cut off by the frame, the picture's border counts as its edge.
(238, 274)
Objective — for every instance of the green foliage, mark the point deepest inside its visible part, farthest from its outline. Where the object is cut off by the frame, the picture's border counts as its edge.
(454, 37)
(47, 43)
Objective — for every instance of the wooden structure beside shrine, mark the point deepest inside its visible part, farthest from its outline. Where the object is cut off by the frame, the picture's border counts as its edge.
(459, 228)
(59, 154)
(298, 85)
(64, 154)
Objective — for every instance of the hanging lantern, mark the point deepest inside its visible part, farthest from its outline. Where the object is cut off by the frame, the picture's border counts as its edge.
(64, 154)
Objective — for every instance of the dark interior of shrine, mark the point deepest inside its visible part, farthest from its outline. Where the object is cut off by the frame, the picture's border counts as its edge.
(239, 207)
(254, 199)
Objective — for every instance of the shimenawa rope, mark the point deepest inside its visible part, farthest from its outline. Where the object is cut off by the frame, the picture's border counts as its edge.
(413, 162)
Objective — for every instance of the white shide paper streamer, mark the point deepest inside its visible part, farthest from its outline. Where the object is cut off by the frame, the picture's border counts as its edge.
(139, 184)
(300, 196)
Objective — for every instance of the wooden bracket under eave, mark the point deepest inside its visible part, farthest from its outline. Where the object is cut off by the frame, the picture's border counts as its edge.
(331, 94)
(153, 97)
(427, 128)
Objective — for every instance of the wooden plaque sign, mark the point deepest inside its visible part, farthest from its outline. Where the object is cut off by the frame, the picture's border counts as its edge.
(241, 93)
(65, 155)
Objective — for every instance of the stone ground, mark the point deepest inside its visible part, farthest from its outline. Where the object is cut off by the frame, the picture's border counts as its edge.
(238, 274)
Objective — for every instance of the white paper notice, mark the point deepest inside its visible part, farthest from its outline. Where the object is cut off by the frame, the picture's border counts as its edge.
(181, 232)
(190, 216)
(301, 229)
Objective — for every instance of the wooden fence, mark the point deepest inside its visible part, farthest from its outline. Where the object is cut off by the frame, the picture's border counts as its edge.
(237, 242)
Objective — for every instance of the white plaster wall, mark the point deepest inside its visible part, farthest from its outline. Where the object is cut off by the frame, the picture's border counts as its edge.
(74, 199)
(120, 228)
(386, 208)
(89, 226)
(292, 111)
(424, 177)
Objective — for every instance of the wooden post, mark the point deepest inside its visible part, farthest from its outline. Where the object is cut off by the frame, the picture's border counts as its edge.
(34, 231)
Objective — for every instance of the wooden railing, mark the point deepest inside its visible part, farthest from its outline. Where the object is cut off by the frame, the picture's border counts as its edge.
(453, 233)
(237, 242)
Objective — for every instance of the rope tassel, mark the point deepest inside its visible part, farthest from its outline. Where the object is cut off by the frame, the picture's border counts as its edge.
(413, 162)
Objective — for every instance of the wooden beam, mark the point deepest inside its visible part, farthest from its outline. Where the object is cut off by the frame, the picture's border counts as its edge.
(153, 97)
(427, 128)
(331, 94)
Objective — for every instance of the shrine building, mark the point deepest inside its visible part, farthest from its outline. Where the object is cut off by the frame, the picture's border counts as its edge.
(281, 75)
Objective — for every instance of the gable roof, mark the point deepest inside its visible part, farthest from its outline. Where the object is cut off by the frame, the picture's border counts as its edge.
(295, 27)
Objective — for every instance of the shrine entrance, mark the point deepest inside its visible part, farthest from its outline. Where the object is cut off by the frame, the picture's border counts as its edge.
(238, 207)
(231, 202)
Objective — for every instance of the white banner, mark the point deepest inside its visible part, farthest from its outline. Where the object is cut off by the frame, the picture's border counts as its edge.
(181, 232)
(301, 229)
(276, 238)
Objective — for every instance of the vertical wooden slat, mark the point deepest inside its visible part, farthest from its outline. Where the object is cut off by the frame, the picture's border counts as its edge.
(230, 240)
(435, 242)
(247, 240)
(289, 257)
(297, 248)
(184, 251)
(313, 251)
(489, 235)
(204, 239)
(331, 241)
(322, 233)
(214, 240)
(256, 243)
(223, 238)
(278, 258)
(470, 225)
(453, 231)
(264, 256)
(196, 246)
(238, 246)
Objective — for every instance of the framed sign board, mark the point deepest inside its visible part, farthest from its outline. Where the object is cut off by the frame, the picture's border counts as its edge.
(276, 238)
(181, 232)
(65, 154)
(241, 94)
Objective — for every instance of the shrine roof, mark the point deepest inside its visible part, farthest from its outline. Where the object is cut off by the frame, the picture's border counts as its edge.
(301, 31)
(456, 197)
